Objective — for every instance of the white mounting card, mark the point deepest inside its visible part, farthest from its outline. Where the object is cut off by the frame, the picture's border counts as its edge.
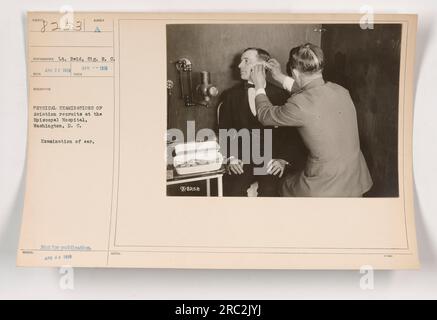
(104, 90)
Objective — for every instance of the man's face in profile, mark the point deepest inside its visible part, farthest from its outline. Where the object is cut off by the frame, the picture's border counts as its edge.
(248, 59)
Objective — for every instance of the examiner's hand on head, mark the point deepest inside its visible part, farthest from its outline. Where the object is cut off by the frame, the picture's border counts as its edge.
(258, 75)
(274, 67)
(235, 166)
(276, 167)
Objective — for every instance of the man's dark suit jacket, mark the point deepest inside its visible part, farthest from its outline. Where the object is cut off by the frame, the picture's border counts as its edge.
(235, 114)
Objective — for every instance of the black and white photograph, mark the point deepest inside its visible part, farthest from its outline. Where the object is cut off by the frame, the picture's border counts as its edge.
(283, 110)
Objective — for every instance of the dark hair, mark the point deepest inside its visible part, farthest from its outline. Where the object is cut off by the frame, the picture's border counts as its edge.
(306, 58)
(262, 54)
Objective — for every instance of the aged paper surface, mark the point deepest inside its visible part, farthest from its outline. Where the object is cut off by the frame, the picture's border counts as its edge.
(96, 168)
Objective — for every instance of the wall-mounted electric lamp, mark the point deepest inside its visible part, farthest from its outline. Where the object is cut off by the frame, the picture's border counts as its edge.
(204, 92)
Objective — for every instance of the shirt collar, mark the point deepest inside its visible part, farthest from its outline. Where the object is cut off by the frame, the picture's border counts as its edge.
(251, 83)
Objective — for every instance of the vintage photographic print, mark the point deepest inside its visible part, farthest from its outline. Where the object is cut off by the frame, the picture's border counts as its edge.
(148, 134)
(283, 110)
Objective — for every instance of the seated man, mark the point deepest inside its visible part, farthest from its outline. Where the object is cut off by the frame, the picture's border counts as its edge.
(238, 112)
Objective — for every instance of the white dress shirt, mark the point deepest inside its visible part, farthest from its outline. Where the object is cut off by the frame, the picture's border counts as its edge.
(251, 94)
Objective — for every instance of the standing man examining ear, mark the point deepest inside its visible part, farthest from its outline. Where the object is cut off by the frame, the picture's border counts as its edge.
(238, 112)
(325, 117)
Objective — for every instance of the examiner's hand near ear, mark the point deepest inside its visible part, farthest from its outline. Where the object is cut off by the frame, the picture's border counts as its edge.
(275, 69)
(258, 75)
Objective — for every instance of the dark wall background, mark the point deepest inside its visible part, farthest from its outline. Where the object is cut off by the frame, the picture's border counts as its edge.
(217, 49)
(367, 62)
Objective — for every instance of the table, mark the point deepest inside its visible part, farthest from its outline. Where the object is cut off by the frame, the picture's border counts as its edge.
(175, 178)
